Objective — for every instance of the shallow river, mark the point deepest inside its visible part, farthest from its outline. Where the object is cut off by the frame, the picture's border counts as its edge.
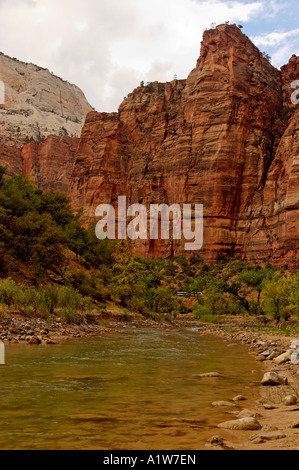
(134, 389)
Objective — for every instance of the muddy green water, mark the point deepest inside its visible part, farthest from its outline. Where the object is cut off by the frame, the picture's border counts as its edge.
(134, 389)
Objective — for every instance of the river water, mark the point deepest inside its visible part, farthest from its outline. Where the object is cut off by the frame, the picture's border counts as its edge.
(128, 390)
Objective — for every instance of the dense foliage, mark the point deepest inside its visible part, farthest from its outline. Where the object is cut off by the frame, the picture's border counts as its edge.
(40, 238)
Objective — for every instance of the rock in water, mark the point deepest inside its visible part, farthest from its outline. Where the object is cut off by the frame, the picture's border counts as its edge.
(243, 424)
(211, 375)
(267, 436)
(239, 398)
(223, 403)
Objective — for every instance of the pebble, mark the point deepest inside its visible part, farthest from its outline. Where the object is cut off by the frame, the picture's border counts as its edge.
(223, 403)
(34, 341)
(290, 400)
(266, 436)
(295, 425)
(269, 406)
(211, 374)
(239, 398)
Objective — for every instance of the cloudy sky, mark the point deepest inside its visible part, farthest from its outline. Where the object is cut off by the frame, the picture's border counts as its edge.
(107, 47)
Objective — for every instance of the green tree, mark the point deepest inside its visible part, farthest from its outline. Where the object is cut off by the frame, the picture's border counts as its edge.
(212, 301)
(254, 278)
(277, 298)
(129, 273)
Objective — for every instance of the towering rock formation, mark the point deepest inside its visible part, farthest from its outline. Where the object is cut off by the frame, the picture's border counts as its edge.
(273, 215)
(273, 231)
(213, 139)
(36, 104)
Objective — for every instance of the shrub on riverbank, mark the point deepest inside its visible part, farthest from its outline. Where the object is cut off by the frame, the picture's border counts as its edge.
(43, 301)
(232, 287)
(281, 297)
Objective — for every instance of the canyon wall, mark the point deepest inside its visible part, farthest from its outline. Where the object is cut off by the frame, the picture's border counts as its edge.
(226, 137)
(51, 162)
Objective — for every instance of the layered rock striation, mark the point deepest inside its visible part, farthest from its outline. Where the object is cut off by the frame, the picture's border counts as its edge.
(50, 163)
(226, 137)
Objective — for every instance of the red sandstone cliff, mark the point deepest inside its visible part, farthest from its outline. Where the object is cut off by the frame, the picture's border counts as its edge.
(226, 137)
(51, 162)
(215, 139)
(273, 217)
(10, 158)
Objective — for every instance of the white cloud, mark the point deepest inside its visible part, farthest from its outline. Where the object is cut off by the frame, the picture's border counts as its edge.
(272, 8)
(275, 38)
(108, 47)
(281, 44)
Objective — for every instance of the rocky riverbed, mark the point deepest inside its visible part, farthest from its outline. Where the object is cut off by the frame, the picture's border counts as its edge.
(273, 422)
(37, 331)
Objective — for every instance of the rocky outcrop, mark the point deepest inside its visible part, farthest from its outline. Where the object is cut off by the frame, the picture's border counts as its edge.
(289, 74)
(273, 228)
(51, 162)
(243, 424)
(10, 158)
(213, 139)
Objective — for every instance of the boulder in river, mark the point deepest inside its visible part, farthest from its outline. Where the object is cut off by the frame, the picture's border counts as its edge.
(243, 424)
(239, 398)
(223, 403)
(211, 375)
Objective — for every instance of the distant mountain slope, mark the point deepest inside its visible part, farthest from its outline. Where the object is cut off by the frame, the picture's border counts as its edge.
(38, 104)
